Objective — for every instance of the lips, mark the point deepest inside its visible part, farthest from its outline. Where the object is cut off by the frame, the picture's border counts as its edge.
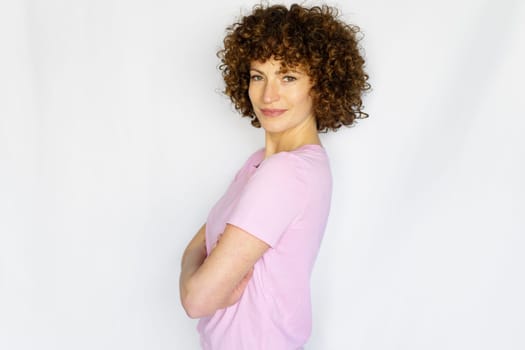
(272, 112)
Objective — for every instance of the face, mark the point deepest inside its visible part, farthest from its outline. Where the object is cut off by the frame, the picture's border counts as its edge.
(281, 99)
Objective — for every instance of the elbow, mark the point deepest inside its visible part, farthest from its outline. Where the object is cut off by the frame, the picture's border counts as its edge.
(193, 310)
(195, 305)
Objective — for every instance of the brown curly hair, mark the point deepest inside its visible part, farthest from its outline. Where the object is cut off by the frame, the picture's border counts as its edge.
(313, 39)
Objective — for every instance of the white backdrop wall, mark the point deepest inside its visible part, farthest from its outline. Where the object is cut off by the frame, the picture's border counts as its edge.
(115, 141)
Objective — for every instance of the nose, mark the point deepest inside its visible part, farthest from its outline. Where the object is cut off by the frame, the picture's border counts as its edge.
(271, 92)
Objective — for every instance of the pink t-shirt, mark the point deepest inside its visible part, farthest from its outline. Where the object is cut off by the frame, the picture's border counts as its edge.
(283, 200)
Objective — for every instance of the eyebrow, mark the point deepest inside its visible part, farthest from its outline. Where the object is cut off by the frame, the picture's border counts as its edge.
(280, 71)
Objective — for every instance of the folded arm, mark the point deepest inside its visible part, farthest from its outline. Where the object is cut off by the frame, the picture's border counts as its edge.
(209, 283)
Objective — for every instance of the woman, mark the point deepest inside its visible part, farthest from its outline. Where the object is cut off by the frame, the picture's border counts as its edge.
(246, 274)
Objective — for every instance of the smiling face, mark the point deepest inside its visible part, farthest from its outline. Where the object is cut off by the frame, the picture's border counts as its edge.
(281, 99)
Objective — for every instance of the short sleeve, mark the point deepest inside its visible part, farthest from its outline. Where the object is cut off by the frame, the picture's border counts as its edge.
(273, 197)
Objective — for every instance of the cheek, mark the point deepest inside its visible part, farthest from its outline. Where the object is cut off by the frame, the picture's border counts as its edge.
(303, 95)
(251, 94)
(308, 106)
(306, 101)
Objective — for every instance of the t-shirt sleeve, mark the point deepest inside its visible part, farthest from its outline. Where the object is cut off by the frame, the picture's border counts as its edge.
(272, 199)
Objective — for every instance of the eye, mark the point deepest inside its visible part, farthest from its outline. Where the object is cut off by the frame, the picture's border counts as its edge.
(255, 77)
(289, 78)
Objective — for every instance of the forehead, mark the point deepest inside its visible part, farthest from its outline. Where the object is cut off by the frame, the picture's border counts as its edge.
(273, 65)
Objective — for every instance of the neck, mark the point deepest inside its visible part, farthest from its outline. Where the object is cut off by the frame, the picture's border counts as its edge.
(291, 139)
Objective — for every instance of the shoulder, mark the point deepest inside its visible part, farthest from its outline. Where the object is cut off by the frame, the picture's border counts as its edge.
(307, 165)
(253, 160)
(312, 160)
(307, 155)
(311, 155)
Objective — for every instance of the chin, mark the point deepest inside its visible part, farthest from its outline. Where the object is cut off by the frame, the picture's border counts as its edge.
(273, 129)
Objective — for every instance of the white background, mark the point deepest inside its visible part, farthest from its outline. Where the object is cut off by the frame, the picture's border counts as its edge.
(115, 141)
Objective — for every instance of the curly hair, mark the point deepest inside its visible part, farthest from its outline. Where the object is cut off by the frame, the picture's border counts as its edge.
(313, 39)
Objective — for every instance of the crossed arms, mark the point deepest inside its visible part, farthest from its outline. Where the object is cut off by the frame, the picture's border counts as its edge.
(215, 281)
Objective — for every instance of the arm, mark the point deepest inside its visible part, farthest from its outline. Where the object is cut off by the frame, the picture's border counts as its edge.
(192, 259)
(218, 280)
